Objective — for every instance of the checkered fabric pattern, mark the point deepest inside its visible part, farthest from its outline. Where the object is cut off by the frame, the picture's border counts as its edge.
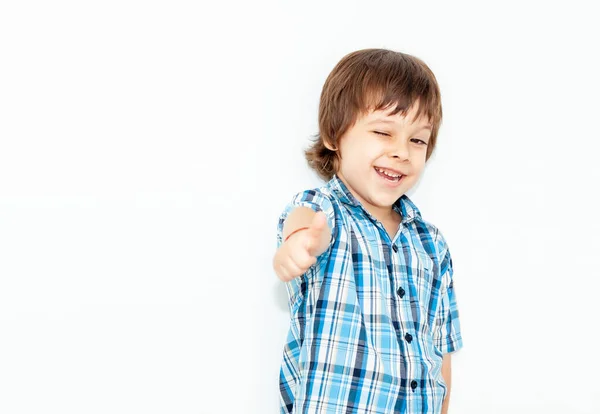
(371, 320)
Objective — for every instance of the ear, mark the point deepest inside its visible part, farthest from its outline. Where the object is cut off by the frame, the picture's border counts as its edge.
(329, 146)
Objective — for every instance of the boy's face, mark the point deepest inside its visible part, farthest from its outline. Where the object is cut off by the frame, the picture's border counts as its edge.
(382, 157)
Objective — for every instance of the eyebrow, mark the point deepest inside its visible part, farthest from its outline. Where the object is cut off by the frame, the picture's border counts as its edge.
(389, 121)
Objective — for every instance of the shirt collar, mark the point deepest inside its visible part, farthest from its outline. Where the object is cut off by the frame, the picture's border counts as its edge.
(404, 205)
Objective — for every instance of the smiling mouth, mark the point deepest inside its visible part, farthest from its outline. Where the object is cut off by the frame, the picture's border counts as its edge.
(389, 175)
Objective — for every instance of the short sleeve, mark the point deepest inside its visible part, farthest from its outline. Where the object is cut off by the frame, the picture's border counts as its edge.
(447, 334)
(313, 199)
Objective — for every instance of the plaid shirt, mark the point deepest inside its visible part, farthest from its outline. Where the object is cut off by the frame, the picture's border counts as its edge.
(371, 320)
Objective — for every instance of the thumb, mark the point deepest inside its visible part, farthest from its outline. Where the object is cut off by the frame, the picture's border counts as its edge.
(317, 225)
(319, 222)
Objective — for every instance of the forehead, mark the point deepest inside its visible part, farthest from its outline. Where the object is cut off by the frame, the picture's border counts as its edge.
(407, 119)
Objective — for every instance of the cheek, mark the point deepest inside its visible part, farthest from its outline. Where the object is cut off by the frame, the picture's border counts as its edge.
(419, 160)
(358, 156)
(417, 170)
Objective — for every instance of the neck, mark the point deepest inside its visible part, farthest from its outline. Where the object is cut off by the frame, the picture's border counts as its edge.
(386, 215)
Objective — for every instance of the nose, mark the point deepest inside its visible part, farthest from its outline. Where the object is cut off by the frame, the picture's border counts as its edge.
(400, 151)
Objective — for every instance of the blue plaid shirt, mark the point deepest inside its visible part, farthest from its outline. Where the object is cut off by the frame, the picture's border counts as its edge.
(371, 320)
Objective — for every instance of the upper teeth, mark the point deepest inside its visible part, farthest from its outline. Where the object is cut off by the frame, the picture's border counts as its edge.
(389, 174)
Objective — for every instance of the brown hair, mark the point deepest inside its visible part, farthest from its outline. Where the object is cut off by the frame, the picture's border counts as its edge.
(371, 79)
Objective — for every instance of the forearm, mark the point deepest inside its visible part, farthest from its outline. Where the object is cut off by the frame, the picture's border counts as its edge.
(447, 375)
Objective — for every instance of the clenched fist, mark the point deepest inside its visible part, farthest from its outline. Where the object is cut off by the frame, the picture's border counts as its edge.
(300, 251)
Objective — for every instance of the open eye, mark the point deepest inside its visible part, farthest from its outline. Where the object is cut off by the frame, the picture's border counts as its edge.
(419, 141)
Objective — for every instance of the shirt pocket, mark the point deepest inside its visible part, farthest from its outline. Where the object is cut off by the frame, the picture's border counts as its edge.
(426, 284)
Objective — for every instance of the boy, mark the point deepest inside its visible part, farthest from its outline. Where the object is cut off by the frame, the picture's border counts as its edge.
(373, 311)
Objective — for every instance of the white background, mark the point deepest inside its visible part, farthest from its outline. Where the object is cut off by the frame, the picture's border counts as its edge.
(147, 149)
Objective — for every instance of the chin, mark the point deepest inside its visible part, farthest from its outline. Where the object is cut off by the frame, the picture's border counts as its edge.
(385, 201)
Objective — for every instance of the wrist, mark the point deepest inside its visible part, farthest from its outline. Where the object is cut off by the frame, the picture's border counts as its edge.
(294, 232)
